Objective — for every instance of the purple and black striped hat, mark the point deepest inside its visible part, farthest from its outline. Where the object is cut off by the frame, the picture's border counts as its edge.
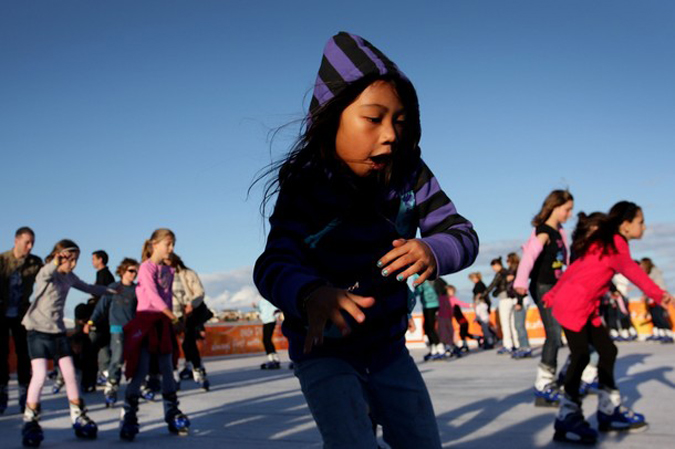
(348, 58)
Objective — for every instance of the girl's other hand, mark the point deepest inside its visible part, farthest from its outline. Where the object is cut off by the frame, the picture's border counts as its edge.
(666, 300)
(521, 291)
(413, 254)
(325, 304)
(518, 307)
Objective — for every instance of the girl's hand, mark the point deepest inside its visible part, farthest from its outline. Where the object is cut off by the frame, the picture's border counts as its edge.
(666, 300)
(518, 307)
(521, 291)
(413, 254)
(324, 304)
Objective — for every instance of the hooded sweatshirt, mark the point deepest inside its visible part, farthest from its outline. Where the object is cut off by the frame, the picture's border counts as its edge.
(330, 227)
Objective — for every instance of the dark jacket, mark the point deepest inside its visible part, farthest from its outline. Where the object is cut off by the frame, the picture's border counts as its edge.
(29, 267)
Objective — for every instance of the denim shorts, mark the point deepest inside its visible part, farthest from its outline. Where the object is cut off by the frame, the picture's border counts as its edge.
(48, 346)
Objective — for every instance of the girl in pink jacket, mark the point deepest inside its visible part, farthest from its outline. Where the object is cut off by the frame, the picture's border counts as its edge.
(575, 302)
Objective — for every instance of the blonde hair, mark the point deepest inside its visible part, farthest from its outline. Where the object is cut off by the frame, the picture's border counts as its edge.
(477, 275)
(62, 245)
(157, 236)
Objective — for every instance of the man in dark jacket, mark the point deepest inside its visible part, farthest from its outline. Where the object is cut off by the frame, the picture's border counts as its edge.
(18, 268)
(101, 337)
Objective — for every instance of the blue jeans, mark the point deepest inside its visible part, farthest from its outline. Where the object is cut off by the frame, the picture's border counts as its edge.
(553, 342)
(519, 317)
(116, 357)
(343, 399)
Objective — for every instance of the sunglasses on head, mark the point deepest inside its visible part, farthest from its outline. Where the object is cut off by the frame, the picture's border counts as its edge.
(132, 270)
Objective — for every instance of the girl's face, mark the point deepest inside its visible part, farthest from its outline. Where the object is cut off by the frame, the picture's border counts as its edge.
(68, 261)
(633, 229)
(496, 268)
(129, 275)
(450, 291)
(369, 128)
(563, 212)
(162, 249)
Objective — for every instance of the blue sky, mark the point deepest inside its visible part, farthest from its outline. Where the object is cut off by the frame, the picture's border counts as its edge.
(121, 117)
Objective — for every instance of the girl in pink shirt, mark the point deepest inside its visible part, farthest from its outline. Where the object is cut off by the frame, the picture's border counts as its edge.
(575, 302)
(151, 333)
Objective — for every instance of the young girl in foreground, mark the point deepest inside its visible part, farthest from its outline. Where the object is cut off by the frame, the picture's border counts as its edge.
(342, 243)
(47, 339)
(575, 301)
(545, 255)
(151, 333)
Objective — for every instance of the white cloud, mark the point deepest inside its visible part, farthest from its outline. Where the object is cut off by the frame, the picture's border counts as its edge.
(231, 289)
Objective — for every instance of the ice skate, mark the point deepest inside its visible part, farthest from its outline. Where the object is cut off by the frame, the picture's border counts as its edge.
(128, 419)
(58, 385)
(199, 375)
(546, 393)
(177, 422)
(83, 425)
(613, 416)
(31, 433)
(270, 365)
(570, 425)
(186, 373)
(110, 393)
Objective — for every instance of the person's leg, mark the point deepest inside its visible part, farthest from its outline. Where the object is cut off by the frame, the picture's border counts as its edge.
(553, 342)
(505, 309)
(37, 381)
(519, 318)
(190, 349)
(579, 358)
(268, 332)
(20, 338)
(334, 389)
(430, 325)
(400, 402)
(116, 358)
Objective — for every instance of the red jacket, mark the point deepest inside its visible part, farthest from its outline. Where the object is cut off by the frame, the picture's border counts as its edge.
(576, 295)
(153, 329)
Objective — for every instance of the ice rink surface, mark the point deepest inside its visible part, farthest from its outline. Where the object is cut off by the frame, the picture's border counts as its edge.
(482, 400)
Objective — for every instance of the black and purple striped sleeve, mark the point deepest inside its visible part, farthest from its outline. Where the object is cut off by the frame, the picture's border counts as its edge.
(450, 236)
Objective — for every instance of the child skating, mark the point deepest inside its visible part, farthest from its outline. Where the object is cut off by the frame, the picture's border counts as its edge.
(575, 303)
(351, 195)
(151, 333)
(47, 340)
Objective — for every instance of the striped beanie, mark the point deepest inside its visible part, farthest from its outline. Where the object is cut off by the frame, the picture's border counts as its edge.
(348, 58)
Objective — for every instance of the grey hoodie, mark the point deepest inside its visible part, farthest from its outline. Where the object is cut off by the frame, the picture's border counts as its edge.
(45, 313)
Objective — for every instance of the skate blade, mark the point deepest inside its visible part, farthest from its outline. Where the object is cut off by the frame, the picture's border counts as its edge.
(562, 437)
(619, 431)
(541, 402)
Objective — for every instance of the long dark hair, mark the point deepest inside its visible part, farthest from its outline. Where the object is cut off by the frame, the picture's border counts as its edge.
(586, 225)
(607, 228)
(315, 147)
(554, 199)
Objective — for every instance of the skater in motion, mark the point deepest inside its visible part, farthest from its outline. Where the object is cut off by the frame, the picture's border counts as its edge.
(575, 303)
(428, 296)
(47, 339)
(351, 195)
(190, 308)
(268, 315)
(544, 256)
(117, 310)
(151, 333)
(18, 268)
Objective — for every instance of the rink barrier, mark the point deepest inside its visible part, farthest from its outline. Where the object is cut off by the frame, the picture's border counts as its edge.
(246, 338)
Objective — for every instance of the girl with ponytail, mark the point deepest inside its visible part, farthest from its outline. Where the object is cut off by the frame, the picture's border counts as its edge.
(575, 301)
(151, 333)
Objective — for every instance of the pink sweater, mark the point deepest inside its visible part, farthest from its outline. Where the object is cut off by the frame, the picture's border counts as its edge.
(531, 250)
(447, 303)
(154, 287)
(576, 296)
